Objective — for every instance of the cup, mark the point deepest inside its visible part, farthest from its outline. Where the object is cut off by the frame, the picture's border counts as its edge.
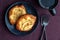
(50, 5)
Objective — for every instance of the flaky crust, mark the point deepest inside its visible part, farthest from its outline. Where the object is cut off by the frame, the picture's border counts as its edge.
(15, 12)
(25, 22)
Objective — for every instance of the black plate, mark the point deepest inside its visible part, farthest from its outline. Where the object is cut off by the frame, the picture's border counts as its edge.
(30, 9)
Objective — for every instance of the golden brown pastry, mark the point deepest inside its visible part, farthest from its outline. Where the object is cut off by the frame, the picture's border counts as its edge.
(25, 22)
(16, 12)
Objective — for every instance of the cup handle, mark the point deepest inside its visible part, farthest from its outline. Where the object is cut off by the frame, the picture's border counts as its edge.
(52, 11)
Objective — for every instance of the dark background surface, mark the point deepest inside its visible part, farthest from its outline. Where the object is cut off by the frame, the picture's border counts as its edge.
(53, 29)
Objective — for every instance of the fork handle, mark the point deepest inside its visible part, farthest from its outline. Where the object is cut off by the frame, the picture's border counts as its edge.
(43, 34)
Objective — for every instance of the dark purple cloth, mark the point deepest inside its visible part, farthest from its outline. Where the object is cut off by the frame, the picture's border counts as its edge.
(53, 29)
